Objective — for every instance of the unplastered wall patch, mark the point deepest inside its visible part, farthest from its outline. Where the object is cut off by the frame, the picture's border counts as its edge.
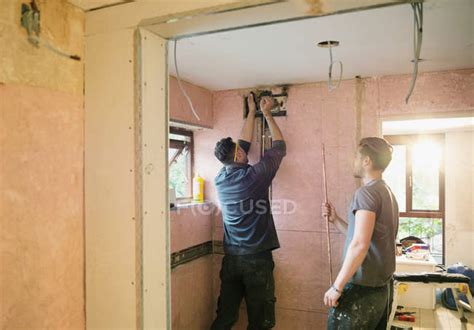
(62, 24)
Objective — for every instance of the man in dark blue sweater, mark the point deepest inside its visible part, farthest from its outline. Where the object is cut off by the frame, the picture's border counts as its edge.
(249, 230)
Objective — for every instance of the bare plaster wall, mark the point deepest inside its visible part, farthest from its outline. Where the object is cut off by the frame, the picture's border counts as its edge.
(41, 171)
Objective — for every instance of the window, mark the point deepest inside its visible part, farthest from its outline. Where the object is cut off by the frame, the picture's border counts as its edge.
(180, 160)
(416, 176)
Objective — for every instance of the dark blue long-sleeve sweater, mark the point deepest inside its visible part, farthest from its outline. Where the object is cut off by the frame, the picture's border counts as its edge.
(243, 194)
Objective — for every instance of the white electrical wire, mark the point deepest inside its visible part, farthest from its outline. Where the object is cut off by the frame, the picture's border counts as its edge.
(181, 86)
(332, 86)
(38, 41)
(417, 39)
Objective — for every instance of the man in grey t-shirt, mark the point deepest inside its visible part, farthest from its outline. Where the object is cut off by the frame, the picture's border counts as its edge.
(361, 294)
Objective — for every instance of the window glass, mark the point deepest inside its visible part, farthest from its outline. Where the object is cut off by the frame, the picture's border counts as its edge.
(179, 171)
(430, 230)
(426, 164)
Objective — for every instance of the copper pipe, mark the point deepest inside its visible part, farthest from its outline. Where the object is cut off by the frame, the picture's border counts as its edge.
(326, 201)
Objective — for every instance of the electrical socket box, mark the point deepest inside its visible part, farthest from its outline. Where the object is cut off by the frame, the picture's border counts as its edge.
(30, 20)
(280, 97)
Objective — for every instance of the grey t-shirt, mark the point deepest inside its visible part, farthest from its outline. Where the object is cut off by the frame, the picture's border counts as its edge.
(379, 264)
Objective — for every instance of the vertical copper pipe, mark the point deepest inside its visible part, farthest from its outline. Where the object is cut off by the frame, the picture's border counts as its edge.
(327, 216)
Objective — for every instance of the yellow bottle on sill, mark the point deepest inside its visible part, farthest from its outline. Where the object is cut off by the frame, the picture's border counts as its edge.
(198, 189)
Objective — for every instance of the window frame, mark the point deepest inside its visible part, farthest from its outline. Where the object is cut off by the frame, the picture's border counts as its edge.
(177, 144)
(408, 141)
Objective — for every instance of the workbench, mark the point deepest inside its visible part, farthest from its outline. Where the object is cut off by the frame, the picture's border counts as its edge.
(417, 295)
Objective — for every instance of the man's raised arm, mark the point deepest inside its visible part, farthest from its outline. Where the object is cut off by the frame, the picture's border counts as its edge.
(266, 105)
(267, 167)
(247, 131)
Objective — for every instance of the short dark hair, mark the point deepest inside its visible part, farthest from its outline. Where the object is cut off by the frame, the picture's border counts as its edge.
(378, 150)
(224, 150)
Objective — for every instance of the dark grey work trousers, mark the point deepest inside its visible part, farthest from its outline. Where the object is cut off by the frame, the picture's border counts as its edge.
(249, 277)
(362, 307)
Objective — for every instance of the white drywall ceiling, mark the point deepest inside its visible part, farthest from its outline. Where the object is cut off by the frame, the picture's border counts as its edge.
(373, 43)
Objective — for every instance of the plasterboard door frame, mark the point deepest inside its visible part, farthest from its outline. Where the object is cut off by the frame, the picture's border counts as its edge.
(152, 143)
(109, 182)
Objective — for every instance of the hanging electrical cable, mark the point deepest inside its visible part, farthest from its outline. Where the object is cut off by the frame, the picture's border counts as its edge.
(417, 39)
(30, 20)
(332, 86)
(40, 42)
(180, 84)
(330, 44)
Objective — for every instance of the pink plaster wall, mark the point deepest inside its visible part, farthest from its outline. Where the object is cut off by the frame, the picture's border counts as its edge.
(191, 283)
(41, 209)
(192, 297)
(41, 170)
(190, 226)
(435, 92)
(179, 107)
(314, 117)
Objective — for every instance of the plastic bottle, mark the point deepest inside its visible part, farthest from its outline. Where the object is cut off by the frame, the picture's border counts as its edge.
(198, 189)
